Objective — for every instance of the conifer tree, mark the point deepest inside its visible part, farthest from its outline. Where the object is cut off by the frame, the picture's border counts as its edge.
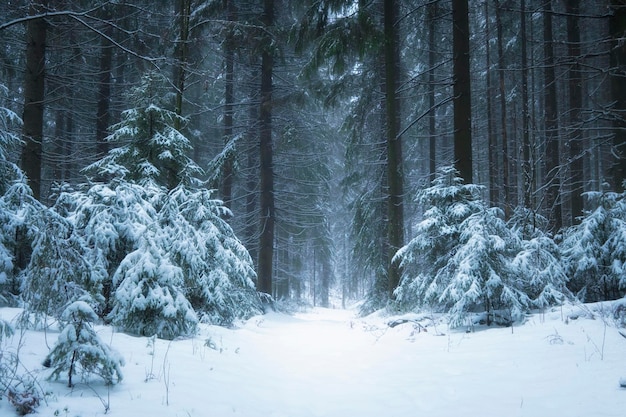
(79, 351)
(149, 299)
(594, 251)
(152, 149)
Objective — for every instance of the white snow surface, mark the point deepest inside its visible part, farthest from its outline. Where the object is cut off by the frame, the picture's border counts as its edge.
(329, 363)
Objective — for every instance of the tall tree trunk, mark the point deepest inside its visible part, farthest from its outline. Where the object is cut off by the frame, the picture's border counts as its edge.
(617, 27)
(492, 141)
(103, 117)
(552, 180)
(572, 8)
(229, 57)
(395, 207)
(180, 52)
(34, 94)
(506, 174)
(527, 167)
(432, 115)
(266, 238)
(462, 100)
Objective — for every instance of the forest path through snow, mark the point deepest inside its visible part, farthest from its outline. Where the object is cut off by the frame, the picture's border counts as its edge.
(328, 363)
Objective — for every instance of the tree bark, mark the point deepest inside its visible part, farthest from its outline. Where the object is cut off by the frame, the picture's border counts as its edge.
(103, 116)
(492, 141)
(181, 52)
(551, 124)
(506, 175)
(462, 101)
(432, 119)
(34, 94)
(527, 166)
(229, 57)
(617, 27)
(395, 208)
(572, 8)
(267, 220)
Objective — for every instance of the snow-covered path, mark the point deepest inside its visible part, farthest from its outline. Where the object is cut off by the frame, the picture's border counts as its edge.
(328, 363)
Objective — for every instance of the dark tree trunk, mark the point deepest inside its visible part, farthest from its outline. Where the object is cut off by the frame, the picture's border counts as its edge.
(267, 215)
(432, 116)
(180, 52)
(617, 26)
(229, 57)
(462, 100)
(34, 94)
(492, 141)
(506, 174)
(395, 207)
(572, 8)
(103, 117)
(527, 166)
(552, 180)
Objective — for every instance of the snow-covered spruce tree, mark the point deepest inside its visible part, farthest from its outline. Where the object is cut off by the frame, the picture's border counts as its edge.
(154, 229)
(537, 266)
(448, 203)
(58, 272)
(149, 298)
(218, 271)
(594, 251)
(479, 274)
(111, 218)
(12, 226)
(79, 351)
(151, 148)
(20, 220)
(462, 257)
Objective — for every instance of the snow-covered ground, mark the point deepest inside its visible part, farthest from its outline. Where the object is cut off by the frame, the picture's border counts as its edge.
(329, 363)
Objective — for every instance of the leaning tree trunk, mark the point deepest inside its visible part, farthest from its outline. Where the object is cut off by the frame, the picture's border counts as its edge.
(34, 91)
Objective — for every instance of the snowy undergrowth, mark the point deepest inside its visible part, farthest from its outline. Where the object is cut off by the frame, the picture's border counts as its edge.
(560, 362)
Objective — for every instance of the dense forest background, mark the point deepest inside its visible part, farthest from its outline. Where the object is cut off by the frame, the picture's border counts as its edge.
(356, 148)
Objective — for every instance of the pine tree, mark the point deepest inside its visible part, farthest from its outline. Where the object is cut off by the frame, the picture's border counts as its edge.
(9, 173)
(152, 148)
(594, 252)
(218, 271)
(537, 265)
(111, 220)
(58, 272)
(149, 299)
(479, 273)
(79, 351)
(448, 203)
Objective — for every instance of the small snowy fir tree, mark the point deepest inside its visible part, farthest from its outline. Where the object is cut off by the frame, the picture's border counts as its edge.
(111, 220)
(79, 351)
(10, 222)
(479, 272)
(218, 270)
(20, 219)
(9, 140)
(537, 265)
(594, 251)
(448, 204)
(149, 299)
(152, 150)
(58, 272)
